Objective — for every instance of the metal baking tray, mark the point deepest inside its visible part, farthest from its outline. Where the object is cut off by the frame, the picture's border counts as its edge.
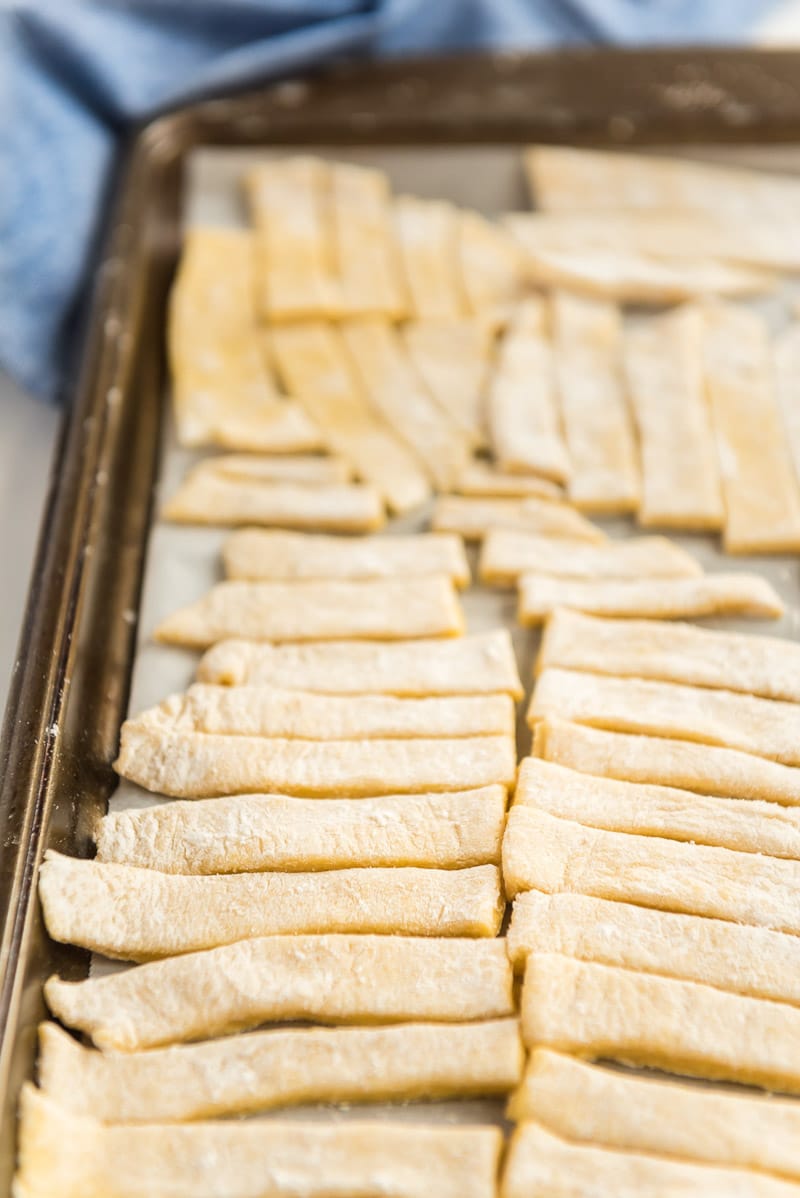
(442, 127)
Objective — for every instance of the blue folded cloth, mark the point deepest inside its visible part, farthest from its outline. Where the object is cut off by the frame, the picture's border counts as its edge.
(75, 73)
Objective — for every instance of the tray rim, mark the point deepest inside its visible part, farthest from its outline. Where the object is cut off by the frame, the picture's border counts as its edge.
(404, 101)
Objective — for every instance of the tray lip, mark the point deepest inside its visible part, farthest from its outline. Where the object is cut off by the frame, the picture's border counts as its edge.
(29, 741)
(731, 93)
(36, 692)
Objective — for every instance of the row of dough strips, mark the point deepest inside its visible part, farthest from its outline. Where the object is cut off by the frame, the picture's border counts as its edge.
(312, 905)
(620, 358)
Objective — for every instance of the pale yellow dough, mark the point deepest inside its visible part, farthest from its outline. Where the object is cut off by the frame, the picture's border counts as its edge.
(328, 979)
(481, 478)
(479, 664)
(427, 238)
(73, 1157)
(731, 956)
(290, 207)
(218, 499)
(598, 428)
(259, 832)
(540, 1163)
(564, 178)
(452, 359)
(289, 557)
(759, 486)
(660, 233)
(749, 827)
(765, 727)
(705, 769)
(621, 1110)
(268, 711)
(630, 277)
(508, 552)
(223, 390)
(663, 357)
(281, 1068)
(313, 363)
(641, 1019)
(670, 652)
(312, 470)
(402, 399)
(367, 262)
(379, 609)
(655, 598)
(279, 426)
(472, 516)
(543, 852)
(137, 914)
(492, 270)
(191, 765)
(524, 427)
(786, 357)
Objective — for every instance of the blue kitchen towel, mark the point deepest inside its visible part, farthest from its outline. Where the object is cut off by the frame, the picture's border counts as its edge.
(75, 73)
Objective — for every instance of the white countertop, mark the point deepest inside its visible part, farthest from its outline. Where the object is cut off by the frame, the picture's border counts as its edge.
(28, 431)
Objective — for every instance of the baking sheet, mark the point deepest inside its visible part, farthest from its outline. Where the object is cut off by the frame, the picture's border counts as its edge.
(183, 562)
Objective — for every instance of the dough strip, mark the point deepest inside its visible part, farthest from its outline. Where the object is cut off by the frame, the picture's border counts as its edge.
(749, 827)
(365, 250)
(556, 856)
(670, 652)
(759, 486)
(381, 609)
(272, 832)
(591, 1104)
(289, 201)
(267, 711)
(328, 979)
(223, 392)
(281, 1068)
(735, 957)
(508, 553)
(704, 769)
(524, 426)
(661, 598)
(540, 1163)
(598, 428)
(663, 359)
(219, 499)
(80, 1158)
(191, 765)
(427, 237)
(765, 727)
(262, 554)
(640, 1019)
(492, 271)
(134, 914)
(479, 664)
